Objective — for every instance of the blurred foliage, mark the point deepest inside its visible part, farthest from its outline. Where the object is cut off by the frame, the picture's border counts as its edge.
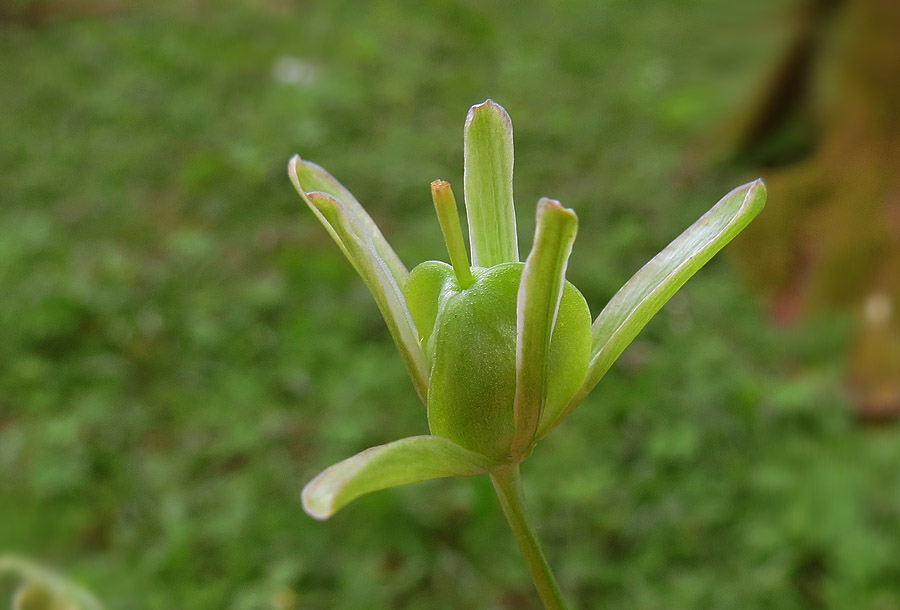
(183, 347)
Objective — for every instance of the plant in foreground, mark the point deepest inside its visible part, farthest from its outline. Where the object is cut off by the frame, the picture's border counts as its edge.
(499, 351)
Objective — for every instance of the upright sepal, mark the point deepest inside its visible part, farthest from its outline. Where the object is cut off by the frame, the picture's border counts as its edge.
(537, 306)
(488, 175)
(655, 283)
(371, 256)
(409, 460)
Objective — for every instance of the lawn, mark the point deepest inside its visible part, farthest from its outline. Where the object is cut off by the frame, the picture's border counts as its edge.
(183, 346)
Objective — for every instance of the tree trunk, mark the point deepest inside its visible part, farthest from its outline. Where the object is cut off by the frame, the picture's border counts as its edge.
(831, 235)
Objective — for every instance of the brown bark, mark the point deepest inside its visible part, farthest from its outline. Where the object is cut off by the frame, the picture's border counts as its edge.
(831, 235)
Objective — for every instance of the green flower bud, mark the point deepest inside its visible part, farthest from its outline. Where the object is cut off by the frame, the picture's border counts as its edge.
(500, 351)
(469, 337)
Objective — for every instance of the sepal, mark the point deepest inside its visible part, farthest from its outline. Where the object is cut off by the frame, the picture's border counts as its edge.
(409, 460)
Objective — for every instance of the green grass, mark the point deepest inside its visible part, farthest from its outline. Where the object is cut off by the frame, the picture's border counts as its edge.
(183, 347)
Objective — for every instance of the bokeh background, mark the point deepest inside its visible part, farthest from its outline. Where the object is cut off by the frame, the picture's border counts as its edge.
(182, 347)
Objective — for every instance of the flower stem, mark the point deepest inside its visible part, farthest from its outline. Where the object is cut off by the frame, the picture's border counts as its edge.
(509, 491)
(448, 216)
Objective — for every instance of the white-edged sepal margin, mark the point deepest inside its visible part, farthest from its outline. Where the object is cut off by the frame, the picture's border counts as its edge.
(308, 176)
(370, 254)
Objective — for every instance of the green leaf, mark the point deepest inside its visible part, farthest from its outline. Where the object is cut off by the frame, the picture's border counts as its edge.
(308, 177)
(651, 287)
(488, 175)
(537, 306)
(409, 460)
(354, 234)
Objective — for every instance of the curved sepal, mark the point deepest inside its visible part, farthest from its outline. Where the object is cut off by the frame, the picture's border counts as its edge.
(409, 460)
(364, 246)
(308, 177)
(655, 283)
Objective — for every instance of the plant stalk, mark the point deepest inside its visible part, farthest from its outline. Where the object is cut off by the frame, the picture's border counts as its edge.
(448, 216)
(509, 491)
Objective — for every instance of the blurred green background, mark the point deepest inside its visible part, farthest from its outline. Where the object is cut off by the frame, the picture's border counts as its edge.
(183, 347)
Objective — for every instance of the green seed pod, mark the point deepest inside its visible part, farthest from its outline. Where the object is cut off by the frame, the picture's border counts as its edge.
(469, 336)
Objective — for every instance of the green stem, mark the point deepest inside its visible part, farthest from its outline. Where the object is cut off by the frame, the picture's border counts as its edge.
(509, 491)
